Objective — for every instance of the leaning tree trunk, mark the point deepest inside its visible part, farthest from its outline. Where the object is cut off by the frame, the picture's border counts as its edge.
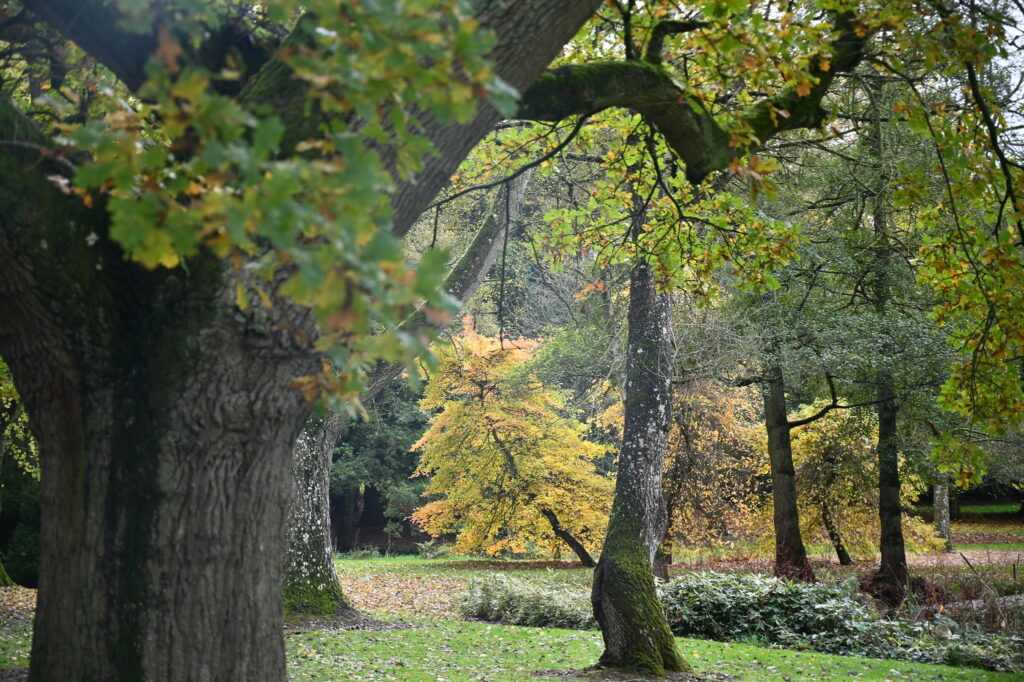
(568, 538)
(940, 507)
(790, 554)
(310, 584)
(636, 634)
(833, 535)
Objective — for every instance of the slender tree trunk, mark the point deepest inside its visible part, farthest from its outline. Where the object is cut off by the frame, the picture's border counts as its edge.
(940, 506)
(310, 583)
(833, 535)
(790, 554)
(892, 572)
(568, 538)
(636, 634)
(345, 510)
(662, 559)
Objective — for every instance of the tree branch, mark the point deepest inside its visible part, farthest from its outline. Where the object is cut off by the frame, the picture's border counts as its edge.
(665, 28)
(690, 130)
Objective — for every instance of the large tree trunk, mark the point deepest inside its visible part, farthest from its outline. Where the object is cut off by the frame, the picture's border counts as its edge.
(310, 583)
(790, 554)
(940, 510)
(163, 429)
(633, 625)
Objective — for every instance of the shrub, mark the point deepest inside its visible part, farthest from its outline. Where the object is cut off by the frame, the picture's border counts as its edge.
(367, 552)
(742, 606)
(432, 549)
(514, 601)
(826, 618)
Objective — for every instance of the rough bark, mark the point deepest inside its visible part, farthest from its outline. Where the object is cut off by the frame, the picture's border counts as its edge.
(940, 509)
(568, 538)
(790, 554)
(633, 625)
(310, 583)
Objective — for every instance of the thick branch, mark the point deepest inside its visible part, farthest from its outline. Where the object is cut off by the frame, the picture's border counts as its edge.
(664, 29)
(94, 25)
(690, 130)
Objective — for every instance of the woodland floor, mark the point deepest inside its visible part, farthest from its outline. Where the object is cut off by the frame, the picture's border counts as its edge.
(426, 639)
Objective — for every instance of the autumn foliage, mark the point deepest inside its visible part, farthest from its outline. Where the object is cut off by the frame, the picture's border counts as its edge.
(507, 463)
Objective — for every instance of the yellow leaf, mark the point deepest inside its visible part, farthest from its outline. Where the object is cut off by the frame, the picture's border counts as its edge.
(264, 297)
(241, 299)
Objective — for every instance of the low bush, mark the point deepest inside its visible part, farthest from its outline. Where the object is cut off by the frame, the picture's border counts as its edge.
(823, 617)
(514, 601)
(432, 549)
(367, 552)
(752, 608)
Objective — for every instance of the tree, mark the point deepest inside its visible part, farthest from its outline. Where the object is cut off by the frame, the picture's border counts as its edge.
(712, 483)
(310, 582)
(509, 470)
(166, 403)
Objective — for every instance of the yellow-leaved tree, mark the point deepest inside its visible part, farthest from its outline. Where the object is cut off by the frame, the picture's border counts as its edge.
(837, 478)
(511, 470)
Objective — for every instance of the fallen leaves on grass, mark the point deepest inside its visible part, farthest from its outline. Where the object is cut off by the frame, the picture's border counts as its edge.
(17, 605)
(422, 595)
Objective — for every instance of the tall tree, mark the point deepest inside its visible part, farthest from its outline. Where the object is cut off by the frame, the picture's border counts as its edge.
(167, 411)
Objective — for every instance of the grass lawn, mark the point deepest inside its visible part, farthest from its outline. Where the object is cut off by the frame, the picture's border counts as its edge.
(437, 645)
(457, 651)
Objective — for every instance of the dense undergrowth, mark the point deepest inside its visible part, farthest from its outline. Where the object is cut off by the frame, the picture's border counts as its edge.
(828, 618)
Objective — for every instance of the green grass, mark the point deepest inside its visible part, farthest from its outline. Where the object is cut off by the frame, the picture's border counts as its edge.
(975, 509)
(15, 644)
(995, 546)
(460, 567)
(458, 651)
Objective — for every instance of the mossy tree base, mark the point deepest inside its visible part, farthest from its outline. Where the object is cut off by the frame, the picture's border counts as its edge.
(310, 584)
(636, 634)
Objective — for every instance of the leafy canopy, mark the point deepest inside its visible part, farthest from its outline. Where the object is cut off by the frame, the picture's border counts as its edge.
(500, 451)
